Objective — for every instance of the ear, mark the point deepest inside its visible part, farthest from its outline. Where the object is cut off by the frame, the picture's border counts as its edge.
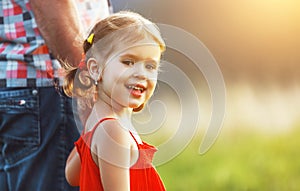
(94, 68)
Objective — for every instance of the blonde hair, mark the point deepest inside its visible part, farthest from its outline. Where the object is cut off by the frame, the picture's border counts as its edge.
(120, 29)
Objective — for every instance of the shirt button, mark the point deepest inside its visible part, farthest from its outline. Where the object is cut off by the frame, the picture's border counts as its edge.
(34, 92)
(22, 102)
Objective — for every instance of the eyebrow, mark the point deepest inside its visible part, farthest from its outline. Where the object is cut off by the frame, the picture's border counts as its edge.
(130, 56)
(137, 58)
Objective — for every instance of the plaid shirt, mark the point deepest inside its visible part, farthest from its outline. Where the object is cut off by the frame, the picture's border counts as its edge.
(25, 61)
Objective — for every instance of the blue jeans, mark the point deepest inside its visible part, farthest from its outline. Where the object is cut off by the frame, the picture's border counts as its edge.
(37, 132)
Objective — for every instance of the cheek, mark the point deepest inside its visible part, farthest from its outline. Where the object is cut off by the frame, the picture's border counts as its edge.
(151, 86)
(154, 83)
(152, 78)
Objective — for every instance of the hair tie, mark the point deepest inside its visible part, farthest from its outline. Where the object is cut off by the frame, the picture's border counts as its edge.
(82, 64)
(90, 38)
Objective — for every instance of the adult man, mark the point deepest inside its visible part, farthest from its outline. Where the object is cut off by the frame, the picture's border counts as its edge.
(37, 128)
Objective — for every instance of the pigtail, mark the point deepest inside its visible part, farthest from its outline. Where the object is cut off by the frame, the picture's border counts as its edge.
(77, 79)
(77, 82)
(70, 73)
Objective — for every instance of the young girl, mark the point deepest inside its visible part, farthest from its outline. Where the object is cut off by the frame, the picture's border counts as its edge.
(119, 73)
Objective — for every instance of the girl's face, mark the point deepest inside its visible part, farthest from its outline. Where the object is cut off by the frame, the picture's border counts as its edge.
(129, 78)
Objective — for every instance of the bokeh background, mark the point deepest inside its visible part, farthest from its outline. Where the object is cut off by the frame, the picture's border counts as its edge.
(256, 44)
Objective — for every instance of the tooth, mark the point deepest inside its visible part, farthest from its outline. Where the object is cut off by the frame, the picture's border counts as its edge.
(136, 88)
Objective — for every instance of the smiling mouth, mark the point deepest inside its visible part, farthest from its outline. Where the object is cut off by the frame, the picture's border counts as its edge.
(138, 88)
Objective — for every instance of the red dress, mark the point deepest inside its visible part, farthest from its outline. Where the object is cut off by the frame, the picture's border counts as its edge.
(143, 176)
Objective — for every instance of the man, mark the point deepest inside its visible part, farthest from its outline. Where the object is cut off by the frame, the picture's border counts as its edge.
(37, 127)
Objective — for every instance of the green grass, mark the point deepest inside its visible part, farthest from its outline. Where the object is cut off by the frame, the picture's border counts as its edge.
(238, 161)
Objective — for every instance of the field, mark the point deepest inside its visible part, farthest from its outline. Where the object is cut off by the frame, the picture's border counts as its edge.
(256, 45)
(238, 161)
(257, 148)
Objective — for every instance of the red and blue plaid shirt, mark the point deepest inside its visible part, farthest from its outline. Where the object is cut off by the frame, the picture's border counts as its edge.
(25, 61)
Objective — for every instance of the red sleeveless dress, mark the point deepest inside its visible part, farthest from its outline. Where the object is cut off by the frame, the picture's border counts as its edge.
(143, 176)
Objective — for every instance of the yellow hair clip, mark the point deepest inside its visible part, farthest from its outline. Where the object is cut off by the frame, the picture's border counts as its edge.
(90, 38)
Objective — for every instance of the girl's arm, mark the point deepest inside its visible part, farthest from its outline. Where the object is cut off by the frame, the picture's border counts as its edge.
(112, 147)
(72, 170)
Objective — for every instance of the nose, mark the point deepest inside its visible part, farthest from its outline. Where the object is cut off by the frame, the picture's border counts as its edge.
(139, 71)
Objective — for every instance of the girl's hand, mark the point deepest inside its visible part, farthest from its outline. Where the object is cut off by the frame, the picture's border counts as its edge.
(72, 169)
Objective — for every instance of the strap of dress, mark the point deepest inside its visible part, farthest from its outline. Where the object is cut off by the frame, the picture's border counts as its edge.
(109, 118)
(100, 121)
(87, 137)
(134, 138)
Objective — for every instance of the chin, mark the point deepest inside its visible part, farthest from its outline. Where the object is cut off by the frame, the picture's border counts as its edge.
(134, 105)
(139, 108)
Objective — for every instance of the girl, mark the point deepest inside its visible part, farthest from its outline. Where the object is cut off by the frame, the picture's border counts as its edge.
(119, 74)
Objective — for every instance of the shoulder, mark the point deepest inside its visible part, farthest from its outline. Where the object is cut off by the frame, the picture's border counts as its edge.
(111, 131)
(112, 143)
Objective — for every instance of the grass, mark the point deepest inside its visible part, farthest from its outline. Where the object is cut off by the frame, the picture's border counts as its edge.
(241, 161)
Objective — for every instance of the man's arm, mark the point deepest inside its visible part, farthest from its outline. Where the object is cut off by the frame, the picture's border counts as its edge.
(60, 27)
